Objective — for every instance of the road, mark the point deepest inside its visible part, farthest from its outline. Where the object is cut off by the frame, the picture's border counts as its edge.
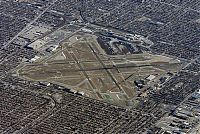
(23, 30)
(33, 21)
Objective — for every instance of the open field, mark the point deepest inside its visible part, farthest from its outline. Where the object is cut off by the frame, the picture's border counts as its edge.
(82, 65)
